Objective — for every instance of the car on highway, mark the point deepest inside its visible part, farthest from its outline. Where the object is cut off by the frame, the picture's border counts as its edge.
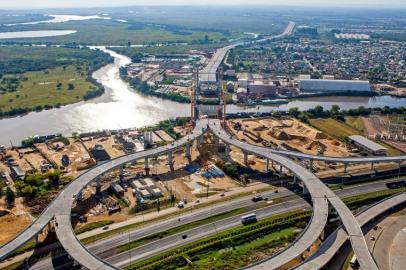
(257, 198)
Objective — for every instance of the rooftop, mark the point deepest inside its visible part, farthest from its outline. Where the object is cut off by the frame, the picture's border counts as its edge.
(373, 146)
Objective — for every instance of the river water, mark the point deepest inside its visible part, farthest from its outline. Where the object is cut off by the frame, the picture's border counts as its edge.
(121, 107)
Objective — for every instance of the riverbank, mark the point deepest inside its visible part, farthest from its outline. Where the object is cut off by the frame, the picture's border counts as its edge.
(121, 107)
(40, 78)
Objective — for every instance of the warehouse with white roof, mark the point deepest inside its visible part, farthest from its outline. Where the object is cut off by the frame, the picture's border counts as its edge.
(322, 86)
(367, 145)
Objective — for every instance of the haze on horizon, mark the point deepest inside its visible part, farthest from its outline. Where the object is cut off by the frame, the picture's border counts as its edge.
(34, 4)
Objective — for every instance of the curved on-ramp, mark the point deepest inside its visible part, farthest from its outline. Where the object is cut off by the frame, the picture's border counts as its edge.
(336, 240)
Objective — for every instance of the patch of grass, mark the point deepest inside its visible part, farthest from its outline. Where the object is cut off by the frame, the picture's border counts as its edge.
(204, 195)
(392, 151)
(347, 261)
(355, 122)
(14, 266)
(334, 128)
(92, 226)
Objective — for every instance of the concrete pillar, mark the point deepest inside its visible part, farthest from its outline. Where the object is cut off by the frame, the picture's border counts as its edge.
(227, 151)
(267, 165)
(36, 238)
(146, 166)
(170, 161)
(305, 190)
(345, 167)
(272, 164)
(294, 179)
(216, 140)
(245, 158)
(188, 152)
(280, 169)
(200, 141)
(372, 166)
(98, 185)
(121, 176)
(311, 165)
(79, 196)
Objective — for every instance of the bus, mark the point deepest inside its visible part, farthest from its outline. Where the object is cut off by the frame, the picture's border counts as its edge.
(248, 219)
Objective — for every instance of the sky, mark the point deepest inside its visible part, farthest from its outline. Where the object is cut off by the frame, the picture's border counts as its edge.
(28, 4)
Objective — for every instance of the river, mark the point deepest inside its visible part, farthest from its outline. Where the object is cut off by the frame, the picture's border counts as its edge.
(121, 107)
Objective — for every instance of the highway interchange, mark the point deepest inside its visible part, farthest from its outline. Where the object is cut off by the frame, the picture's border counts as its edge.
(106, 248)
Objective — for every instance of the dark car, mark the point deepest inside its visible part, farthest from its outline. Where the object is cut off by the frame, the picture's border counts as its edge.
(257, 198)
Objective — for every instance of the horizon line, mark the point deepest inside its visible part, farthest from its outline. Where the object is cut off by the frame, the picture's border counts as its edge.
(386, 7)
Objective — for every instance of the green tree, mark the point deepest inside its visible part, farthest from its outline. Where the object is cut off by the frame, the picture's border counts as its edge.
(10, 196)
(294, 111)
(335, 109)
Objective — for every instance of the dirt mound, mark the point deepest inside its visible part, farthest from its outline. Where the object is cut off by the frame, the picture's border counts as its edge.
(335, 143)
(320, 135)
(281, 135)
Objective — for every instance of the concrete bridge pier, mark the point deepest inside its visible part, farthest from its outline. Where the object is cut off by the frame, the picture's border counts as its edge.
(188, 152)
(345, 168)
(372, 166)
(294, 179)
(311, 165)
(245, 158)
(79, 196)
(267, 165)
(227, 151)
(121, 175)
(200, 141)
(216, 141)
(146, 166)
(170, 161)
(305, 190)
(98, 185)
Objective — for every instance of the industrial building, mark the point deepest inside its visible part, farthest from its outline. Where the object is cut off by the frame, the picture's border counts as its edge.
(322, 86)
(367, 145)
(260, 90)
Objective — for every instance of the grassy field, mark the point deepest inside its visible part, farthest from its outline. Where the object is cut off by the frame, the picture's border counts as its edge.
(41, 88)
(334, 128)
(355, 122)
(105, 32)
